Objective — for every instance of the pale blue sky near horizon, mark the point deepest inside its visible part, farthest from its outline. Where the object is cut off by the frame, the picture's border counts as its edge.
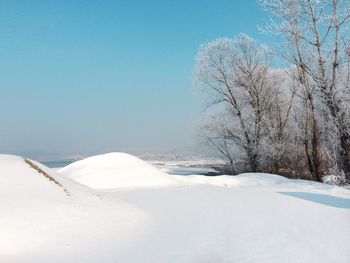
(86, 77)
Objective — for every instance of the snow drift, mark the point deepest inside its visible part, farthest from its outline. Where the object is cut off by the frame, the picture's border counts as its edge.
(41, 211)
(115, 171)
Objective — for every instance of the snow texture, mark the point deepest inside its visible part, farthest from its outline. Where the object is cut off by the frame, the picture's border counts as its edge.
(246, 218)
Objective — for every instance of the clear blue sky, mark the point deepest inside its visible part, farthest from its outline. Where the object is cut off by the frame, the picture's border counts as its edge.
(95, 76)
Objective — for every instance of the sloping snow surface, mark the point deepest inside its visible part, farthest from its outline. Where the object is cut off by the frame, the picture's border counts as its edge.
(245, 218)
(40, 222)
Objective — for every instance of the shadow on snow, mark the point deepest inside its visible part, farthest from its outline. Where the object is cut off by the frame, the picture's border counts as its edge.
(323, 199)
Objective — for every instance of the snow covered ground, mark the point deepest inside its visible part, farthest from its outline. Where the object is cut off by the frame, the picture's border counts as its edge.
(151, 216)
(41, 222)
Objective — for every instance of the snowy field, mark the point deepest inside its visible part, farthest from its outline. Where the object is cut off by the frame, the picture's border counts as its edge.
(117, 208)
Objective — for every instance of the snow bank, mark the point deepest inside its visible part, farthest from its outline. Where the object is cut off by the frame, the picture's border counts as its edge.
(263, 180)
(116, 171)
(245, 179)
(44, 215)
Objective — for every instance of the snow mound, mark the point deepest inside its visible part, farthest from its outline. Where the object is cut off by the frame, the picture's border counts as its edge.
(116, 171)
(42, 211)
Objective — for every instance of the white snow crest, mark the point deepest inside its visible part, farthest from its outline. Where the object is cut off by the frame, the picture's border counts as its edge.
(116, 171)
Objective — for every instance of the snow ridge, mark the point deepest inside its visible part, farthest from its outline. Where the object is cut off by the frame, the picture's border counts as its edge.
(40, 171)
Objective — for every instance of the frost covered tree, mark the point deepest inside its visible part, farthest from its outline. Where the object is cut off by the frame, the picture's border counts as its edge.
(279, 144)
(236, 76)
(295, 119)
(316, 34)
(216, 132)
